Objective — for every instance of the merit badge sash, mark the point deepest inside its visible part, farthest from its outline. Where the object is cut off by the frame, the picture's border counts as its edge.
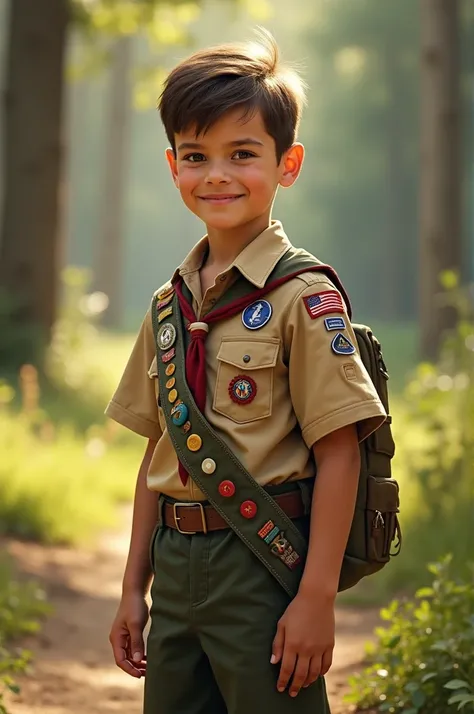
(180, 344)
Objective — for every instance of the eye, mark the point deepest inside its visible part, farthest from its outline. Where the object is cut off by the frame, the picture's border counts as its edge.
(194, 158)
(242, 154)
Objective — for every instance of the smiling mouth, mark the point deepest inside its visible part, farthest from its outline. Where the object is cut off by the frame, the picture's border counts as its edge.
(221, 199)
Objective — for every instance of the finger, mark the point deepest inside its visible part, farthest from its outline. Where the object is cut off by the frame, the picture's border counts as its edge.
(287, 668)
(313, 672)
(326, 661)
(278, 644)
(118, 640)
(124, 664)
(299, 677)
(137, 647)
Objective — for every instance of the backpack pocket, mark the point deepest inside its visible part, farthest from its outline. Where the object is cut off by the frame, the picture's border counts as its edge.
(381, 518)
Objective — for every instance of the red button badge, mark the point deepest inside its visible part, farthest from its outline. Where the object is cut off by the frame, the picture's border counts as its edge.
(226, 488)
(248, 509)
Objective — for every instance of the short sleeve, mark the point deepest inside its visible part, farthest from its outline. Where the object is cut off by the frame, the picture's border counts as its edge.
(329, 385)
(134, 403)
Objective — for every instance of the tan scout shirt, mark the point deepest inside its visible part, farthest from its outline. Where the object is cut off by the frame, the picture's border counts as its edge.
(304, 390)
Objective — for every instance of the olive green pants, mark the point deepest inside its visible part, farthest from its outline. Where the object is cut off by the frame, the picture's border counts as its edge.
(214, 615)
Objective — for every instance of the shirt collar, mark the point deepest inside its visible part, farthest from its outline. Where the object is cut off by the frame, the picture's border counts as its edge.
(255, 262)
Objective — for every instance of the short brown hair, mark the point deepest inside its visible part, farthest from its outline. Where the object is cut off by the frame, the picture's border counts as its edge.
(202, 88)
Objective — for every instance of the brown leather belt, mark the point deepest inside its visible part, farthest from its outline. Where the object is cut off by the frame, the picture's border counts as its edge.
(190, 518)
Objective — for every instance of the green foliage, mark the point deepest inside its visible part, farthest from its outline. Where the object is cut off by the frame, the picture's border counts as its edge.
(49, 497)
(422, 661)
(21, 607)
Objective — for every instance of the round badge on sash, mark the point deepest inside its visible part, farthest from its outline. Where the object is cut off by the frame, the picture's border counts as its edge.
(166, 336)
(179, 414)
(257, 314)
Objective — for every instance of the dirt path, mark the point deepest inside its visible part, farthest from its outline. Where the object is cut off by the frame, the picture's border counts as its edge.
(73, 671)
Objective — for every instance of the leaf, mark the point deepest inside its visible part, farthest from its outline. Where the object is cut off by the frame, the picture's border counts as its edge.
(458, 698)
(428, 676)
(456, 684)
(424, 592)
(418, 698)
(468, 700)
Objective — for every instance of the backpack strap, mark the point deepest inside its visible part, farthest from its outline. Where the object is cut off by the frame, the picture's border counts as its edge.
(251, 512)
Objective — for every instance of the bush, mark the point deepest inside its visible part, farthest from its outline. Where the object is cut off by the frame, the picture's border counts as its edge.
(21, 607)
(423, 661)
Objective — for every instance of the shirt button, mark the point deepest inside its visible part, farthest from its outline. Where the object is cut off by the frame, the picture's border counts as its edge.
(208, 466)
(223, 278)
(226, 488)
(246, 359)
(248, 509)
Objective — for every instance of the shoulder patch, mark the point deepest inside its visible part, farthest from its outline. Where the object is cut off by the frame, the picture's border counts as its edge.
(342, 345)
(334, 323)
(323, 303)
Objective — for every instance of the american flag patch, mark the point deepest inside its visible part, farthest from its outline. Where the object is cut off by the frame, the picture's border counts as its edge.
(322, 303)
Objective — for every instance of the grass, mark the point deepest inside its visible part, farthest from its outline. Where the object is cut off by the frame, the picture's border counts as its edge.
(64, 466)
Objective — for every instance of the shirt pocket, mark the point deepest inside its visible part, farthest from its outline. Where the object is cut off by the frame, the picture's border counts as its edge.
(244, 381)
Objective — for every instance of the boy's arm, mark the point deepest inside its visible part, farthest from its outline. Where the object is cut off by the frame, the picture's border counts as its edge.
(126, 634)
(304, 640)
(137, 576)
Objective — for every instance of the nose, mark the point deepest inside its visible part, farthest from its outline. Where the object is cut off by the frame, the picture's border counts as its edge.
(216, 173)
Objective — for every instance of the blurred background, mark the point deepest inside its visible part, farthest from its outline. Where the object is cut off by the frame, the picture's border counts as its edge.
(91, 225)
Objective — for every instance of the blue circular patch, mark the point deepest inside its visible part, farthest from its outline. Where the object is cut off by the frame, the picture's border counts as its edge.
(179, 414)
(257, 314)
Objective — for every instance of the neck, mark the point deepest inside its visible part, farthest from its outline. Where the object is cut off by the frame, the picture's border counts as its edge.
(225, 245)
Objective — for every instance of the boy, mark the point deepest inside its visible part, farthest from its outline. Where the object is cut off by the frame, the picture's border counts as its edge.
(280, 389)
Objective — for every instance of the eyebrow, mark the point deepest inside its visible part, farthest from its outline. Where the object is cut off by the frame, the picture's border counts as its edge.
(239, 142)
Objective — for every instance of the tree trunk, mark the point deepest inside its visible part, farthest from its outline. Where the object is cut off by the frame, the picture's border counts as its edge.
(395, 225)
(109, 260)
(440, 189)
(32, 152)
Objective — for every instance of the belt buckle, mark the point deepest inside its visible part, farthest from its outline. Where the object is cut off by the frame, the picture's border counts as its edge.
(187, 505)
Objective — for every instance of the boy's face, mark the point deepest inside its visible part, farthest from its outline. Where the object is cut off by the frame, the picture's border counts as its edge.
(229, 176)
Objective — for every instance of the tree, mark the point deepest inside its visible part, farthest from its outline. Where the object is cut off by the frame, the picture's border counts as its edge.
(109, 246)
(440, 178)
(32, 160)
(33, 103)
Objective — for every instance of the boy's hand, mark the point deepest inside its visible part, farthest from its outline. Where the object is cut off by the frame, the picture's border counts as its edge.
(126, 634)
(304, 642)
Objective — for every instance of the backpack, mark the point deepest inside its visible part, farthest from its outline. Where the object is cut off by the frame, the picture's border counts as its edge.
(375, 524)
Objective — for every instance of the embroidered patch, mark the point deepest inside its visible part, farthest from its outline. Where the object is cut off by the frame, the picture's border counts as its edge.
(334, 323)
(166, 336)
(321, 303)
(168, 355)
(163, 303)
(165, 291)
(257, 314)
(268, 532)
(282, 548)
(165, 313)
(341, 345)
(265, 530)
(242, 390)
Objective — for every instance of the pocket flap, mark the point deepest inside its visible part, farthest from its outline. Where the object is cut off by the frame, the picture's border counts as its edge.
(249, 354)
(382, 495)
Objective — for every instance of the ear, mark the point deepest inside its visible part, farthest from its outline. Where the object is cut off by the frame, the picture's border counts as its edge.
(290, 165)
(171, 159)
